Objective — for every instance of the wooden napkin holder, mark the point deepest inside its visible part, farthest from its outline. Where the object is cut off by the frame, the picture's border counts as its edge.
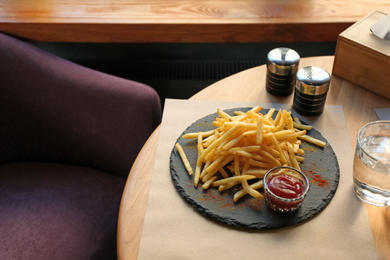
(363, 58)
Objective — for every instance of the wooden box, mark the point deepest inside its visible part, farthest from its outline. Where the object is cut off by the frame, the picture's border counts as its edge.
(363, 58)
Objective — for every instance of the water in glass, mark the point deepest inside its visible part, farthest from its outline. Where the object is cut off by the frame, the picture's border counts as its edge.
(372, 167)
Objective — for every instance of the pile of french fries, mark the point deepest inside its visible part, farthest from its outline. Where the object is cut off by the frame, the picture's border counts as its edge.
(244, 147)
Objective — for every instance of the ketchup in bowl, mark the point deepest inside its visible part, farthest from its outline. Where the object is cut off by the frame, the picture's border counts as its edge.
(285, 188)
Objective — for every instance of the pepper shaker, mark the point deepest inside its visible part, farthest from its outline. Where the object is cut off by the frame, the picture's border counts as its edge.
(311, 89)
(282, 66)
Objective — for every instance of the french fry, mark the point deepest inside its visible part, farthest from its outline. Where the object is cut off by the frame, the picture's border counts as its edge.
(244, 146)
(203, 172)
(287, 156)
(223, 173)
(207, 184)
(312, 140)
(227, 186)
(253, 148)
(200, 144)
(278, 117)
(259, 134)
(269, 158)
(257, 172)
(277, 146)
(232, 142)
(270, 150)
(197, 174)
(218, 141)
(223, 114)
(261, 164)
(238, 195)
(244, 183)
(198, 165)
(195, 135)
(207, 141)
(268, 116)
(254, 193)
(233, 178)
(293, 158)
(184, 158)
(219, 163)
(237, 165)
(298, 124)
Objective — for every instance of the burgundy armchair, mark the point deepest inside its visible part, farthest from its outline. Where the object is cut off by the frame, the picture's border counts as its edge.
(68, 138)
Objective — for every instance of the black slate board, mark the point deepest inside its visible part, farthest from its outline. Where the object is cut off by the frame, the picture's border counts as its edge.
(248, 212)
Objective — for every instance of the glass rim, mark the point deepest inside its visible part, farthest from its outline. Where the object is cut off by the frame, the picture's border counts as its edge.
(305, 180)
(359, 139)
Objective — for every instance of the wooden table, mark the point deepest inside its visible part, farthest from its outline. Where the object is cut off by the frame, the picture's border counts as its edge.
(183, 21)
(249, 86)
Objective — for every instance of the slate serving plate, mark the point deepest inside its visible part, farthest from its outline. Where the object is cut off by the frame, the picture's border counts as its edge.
(320, 166)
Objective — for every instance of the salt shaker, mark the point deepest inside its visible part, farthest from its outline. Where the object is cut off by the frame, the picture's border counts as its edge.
(311, 89)
(282, 66)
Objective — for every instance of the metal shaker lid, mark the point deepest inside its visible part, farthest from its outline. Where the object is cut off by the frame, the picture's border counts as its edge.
(312, 80)
(283, 61)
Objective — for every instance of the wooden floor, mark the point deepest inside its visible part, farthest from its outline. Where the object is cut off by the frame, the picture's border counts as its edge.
(183, 20)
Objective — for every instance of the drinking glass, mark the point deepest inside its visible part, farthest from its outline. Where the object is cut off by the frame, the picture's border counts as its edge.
(371, 166)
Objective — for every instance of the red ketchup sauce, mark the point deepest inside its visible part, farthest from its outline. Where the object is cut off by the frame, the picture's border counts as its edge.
(287, 187)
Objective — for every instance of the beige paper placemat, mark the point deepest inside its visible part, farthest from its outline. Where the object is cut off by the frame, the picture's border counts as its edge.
(174, 230)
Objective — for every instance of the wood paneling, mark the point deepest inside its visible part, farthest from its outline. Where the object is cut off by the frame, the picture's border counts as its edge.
(183, 21)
